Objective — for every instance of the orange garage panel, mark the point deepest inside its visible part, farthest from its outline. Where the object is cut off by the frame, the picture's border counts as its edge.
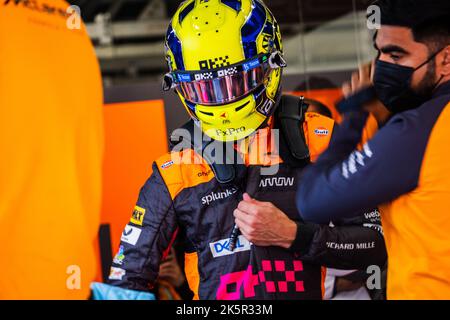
(135, 135)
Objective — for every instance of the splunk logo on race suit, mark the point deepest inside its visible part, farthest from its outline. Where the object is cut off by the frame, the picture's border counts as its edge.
(232, 283)
(222, 247)
(213, 196)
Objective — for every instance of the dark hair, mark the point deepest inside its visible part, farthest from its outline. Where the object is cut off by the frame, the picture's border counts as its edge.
(427, 19)
(435, 34)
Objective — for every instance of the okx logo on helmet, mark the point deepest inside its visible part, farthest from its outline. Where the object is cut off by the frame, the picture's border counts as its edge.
(225, 61)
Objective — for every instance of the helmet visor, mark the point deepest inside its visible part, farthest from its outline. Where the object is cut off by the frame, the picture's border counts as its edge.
(224, 85)
(224, 89)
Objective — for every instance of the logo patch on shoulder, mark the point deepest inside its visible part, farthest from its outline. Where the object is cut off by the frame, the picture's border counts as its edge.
(167, 164)
(321, 131)
(138, 216)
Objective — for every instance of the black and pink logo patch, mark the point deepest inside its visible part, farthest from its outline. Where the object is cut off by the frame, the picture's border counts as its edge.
(232, 284)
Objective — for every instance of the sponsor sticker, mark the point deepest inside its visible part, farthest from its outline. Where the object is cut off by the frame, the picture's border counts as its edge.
(321, 131)
(116, 273)
(184, 77)
(277, 182)
(138, 216)
(130, 234)
(204, 173)
(222, 247)
(230, 131)
(251, 64)
(224, 115)
(118, 259)
(167, 164)
(203, 76)
(213, 196)
(227, 72)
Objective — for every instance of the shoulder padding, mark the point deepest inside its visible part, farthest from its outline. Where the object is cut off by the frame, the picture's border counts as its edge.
(182, 169)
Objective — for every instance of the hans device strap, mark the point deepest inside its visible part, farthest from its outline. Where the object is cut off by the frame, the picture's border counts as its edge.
(290, 117)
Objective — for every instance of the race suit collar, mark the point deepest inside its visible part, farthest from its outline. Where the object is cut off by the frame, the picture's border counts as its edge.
(442, 89)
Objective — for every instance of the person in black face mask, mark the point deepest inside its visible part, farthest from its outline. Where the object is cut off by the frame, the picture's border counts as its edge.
(404, 168)
(393, 82)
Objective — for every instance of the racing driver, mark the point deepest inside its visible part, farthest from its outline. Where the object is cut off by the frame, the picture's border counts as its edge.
(225, 60)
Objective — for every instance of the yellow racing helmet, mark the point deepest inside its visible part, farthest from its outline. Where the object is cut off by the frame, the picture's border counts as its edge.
(225, 61)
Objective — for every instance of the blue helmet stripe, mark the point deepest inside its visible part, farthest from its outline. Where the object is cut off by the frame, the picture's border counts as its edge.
(252, 28)
(190, 105)
(174, 45)
(233, 4)
(185, 12)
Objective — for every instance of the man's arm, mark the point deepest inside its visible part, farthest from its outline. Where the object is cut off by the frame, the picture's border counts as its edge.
(348, 244)
(345, 181)
(146, 238)
(354, 243)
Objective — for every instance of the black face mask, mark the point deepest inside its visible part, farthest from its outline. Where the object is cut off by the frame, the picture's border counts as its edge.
(392, 84)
